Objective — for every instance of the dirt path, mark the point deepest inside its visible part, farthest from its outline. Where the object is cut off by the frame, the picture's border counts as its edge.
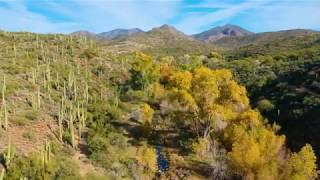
(84, 163)
(81, 157)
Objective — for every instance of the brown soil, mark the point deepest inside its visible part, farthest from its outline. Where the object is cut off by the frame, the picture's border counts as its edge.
(29, 137)
(81, 157)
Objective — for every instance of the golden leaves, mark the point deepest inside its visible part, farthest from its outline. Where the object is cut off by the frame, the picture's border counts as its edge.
(181, 80)
(302, 165)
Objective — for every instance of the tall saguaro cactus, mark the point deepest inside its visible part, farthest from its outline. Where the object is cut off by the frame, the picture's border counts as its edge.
(46, 155)
(39, 98)
(72, 130)
(2, 174)
(60, 119)
(9, 154)
(15, 53)
(36, 100)
(4, 109)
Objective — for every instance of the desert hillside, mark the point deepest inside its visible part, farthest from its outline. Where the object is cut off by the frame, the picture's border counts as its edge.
(74, 108)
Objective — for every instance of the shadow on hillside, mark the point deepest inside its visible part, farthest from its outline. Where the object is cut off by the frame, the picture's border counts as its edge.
(296, 96)
(83, 145)
(176, 138)
(133, 129)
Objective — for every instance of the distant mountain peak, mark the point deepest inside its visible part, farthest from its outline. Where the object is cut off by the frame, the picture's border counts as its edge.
(219, 32)
(168, 30)
(166, 27)
(119, 33)
(230, 25)
(83, 33)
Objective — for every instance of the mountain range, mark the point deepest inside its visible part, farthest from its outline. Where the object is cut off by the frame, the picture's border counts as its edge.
(109, 35)
(167, 39)
(210, 35)
(164, 39)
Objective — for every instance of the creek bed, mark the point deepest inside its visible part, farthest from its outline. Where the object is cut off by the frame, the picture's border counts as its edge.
(162, 162)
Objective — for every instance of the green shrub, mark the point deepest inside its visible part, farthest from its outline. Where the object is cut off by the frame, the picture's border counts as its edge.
(114, 111)
(89, 53)
(28, 135)
(67, 137)
(31, 167)
(265, 105)
(19, 120)
(109, 150)
(95, 176)
(138, 95)
(32, 115)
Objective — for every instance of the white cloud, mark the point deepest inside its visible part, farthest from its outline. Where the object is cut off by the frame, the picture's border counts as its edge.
(256, 15)
(104, 15)
(16, 17)
(195, 23)
(94, 15)
(285, 15)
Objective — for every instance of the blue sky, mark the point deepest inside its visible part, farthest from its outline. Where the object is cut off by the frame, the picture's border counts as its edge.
(189, 16)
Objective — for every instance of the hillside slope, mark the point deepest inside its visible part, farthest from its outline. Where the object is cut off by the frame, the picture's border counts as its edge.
(268, 39)
(84, 34)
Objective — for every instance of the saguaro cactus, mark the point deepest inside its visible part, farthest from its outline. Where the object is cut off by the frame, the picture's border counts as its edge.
(5, 114)
(75, 89)
(9, 155)
(36, 100)
(71, 130)
(87, 93)
(2, 174)
(60, 118)
(46, 155)
(4, 105)
(15, 53)
(39, 98)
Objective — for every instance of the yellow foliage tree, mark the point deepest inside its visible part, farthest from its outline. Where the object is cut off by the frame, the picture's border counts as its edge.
(234, 95)
(181, 80)
(204, 93)
(218, 104)
(250, 118)
(157, 91)
(257, 155)
(302, 165)
(245, 154)
(166, 68)
(201, 146)
(205, 89)
(141, 62)
(143, 71)
(222, 75)
(146, 113)
(147, 158)
(182, 100)
(255, 149)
